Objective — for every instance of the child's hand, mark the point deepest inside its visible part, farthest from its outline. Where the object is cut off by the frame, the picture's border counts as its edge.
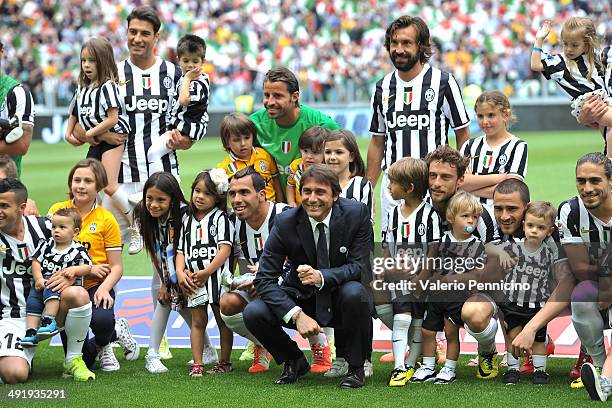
(200, 277)
(193, 74)
(163, 297)
(253, 268)
(506, 261)
(40, 284)
(544, 30)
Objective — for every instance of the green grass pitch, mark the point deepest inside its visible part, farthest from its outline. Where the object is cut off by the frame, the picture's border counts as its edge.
(552, 157)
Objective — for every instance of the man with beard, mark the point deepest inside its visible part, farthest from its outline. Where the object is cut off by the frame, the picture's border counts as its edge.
(413, 106)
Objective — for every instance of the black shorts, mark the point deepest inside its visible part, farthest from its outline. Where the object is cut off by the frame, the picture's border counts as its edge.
(517, 316)
(409, 303)
(438, 311)
(96, 152)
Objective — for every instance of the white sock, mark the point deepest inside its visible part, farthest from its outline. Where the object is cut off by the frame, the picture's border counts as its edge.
(429, 362)
(156, 151)
(589, 327)
(318, 340)
(486, 338)
(76, 327)
(385, 314)
(120, 198)
(399, 337)
(158, 328)
(539, 362)
(329, 333)
(236, 324)
(451, 364)
(513, 363)
(415, 337)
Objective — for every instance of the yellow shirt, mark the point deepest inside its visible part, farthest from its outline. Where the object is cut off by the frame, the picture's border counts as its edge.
(263, 163)
(99, 233)
(296, 169)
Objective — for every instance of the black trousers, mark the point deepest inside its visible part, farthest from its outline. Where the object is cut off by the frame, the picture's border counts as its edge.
(351, 310)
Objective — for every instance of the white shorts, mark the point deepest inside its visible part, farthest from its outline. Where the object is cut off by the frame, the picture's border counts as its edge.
(11, 331)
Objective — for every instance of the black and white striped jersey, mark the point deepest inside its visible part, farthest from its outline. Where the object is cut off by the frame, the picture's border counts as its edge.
(248, 242)
(571, 75)
(533, 271)
(606, 60)
(417, 230)
(192, 120)
(147, 96)
(200, 241)
(16, 272)
(451, 249)
(91, 104)
(415, 116)
(578, 226)
(53, 260)
(509, 157)
(18, 102)
(486, 229)
(359, 189)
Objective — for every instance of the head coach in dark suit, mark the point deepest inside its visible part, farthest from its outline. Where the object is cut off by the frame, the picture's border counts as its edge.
(327, 241)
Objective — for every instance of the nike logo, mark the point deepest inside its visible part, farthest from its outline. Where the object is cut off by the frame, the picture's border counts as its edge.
(395, 341)
(585, 230)
(80, 341)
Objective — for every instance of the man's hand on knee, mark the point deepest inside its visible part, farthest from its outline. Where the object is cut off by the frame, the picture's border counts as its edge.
(306, 325)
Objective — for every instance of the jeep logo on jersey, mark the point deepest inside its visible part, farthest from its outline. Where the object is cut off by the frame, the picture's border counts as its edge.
(203, 253)
(86, 111)
(418, 120)
(16, 268)
(146, 104)
(536, 271)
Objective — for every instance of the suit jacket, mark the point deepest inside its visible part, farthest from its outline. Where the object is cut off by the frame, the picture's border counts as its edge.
(291, 238)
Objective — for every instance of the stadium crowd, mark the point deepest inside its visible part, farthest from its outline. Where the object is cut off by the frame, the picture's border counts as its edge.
(305, 261)
(332, 45)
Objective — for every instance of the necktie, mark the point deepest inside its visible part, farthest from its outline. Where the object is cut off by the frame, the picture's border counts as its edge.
(323, 298)
(322, 254)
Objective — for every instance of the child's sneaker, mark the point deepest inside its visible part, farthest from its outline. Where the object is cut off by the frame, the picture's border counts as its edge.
(399, 377)
(247, 354)
(108, 361)
(423, 374)
(512, 377)
(48, 328)
(135, 241)
(131, 349)
(540, 377)
(164, 349)
(338, 368)
(221, 367)
(78, 370)
(445, 376)
(30, 339)
(154, 365)
(196, 371)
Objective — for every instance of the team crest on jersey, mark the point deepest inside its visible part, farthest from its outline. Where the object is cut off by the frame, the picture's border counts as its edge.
(146, 81)
(213, 230)
(167, 82)
(487, 160)
(421, 229)
(92, 227)
(405, 230)
(262, 165)
(286, 145)
(430, 94)
(407, 97)
(503, 159)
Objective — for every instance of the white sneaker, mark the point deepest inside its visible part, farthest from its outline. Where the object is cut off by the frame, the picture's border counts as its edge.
(209, 356)
(164, 349)
(338, 368)
(368, 370)
(135, 241)
(131, 349)
(108, 361)
(445, 376)
(423, 374)
(154, 365)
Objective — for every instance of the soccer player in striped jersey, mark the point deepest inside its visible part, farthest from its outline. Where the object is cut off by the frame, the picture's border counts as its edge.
(16, 102)
(189, 112)
(578, 70)
(253, 218)
(343, 157)
(58, 254)
(497, 154)
(311, 144)
(238, 135)
(98, 109)
(202, 260)
(412, 228)
(537, 265)
(585, 223)
(19, 236)
(456, 246)
(412, 107)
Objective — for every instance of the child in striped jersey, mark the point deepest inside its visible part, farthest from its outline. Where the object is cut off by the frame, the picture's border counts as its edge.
(188, 115)
(578, 70)
(498, 154)
(238, 135)
(311, 144)
(97, 108)
(202, 261)
(343, 157)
